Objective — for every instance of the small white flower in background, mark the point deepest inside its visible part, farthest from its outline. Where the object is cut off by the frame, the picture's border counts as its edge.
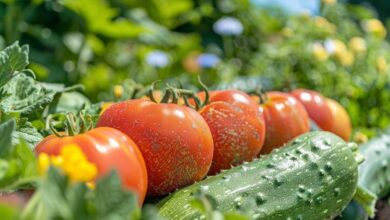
(157, 58)
(208, 60)
(228, 26)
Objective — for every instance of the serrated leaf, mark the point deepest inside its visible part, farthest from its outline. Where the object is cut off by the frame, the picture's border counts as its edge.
(12, 59)
(24, 95)
(27, 132)
(6, 130)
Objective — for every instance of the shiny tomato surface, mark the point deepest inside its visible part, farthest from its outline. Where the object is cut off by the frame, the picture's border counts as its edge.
(341, 121)
(175, 141)
(285, 118)
(108, 149)
(316, 106)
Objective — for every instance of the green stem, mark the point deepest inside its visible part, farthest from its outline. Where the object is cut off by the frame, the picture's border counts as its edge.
(366, 199)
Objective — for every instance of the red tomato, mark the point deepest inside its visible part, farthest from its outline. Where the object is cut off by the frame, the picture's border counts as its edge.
(175, 141)
(285, 118)
(237, 127)
(316, 106)
(108, 149)
(342, 123)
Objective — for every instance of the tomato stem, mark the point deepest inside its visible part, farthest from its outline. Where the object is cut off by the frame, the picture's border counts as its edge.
(52, 128)
(261, 93)
(70, 123)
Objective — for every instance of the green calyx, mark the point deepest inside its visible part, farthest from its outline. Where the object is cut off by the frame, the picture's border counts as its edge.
(173, 94)
(73, 125)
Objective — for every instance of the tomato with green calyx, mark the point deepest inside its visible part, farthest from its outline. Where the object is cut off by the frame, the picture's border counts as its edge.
(285, 118)
(237, 128)
(175, 140)
(108, 149)
(341, 121)
(316, 106)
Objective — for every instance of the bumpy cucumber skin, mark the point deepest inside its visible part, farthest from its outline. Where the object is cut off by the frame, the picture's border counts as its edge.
(374, 172)
(312, 177)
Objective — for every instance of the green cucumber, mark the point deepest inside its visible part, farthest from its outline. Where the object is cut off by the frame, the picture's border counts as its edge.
(313, 177)
(374, 173)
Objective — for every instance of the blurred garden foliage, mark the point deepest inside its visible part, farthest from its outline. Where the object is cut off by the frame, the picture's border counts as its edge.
(338, 49)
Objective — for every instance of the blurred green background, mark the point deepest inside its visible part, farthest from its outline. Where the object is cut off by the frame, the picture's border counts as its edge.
(338, 48)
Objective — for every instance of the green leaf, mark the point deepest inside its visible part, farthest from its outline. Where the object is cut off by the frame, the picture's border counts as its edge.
(24, 95)
(100, 19)
(62, 199)
(13, 59)
(27, 132)
(112, 202)
(26, 158)
(6, 130)
(3, 168)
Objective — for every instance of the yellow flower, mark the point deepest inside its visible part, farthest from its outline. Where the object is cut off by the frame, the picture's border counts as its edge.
(321, 21)
(375, 27)
(340, 48)
(319, 52)
(347, 58)
(287, 32)
(118, 91)
(329, 2)
(43, 163)
(357, 45)
(72, 161)
(381, 64)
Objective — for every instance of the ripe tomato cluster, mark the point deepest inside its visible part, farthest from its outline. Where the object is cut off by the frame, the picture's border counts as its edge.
(158, 147)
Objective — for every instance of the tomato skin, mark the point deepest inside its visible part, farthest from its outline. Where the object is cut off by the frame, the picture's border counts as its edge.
(237, 127)
(237, 98)
(238, 136)
(316, 106)
(108, 149)
(175, 141)
(285, 118)
(342, 123)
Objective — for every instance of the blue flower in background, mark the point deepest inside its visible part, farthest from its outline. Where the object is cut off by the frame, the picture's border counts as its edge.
(157, 58)
(228, 26)
(208, 60)
(291, 6)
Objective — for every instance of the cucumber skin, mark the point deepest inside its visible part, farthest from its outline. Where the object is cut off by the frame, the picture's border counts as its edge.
(373, 175)
(374, 172)
(312, 177)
